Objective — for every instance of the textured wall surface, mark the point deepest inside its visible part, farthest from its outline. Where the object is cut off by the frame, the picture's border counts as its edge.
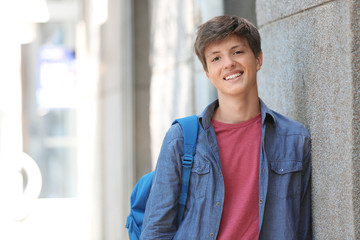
(311, 73)
(355, 63)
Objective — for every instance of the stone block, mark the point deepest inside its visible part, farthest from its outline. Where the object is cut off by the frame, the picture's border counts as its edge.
(269, 11)
(308, 74)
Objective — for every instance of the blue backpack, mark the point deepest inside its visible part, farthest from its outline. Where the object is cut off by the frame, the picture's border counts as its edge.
(141, 191)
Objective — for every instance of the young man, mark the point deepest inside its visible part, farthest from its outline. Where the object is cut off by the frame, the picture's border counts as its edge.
(251, 172)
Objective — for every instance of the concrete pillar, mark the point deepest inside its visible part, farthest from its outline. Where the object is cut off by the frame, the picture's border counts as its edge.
(244, 8)
(171, 91)
(179, 86)
(311, 73)
(117, 117)
(142, 76)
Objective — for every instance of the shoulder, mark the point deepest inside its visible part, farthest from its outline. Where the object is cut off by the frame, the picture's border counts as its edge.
(288, 126)
(283, 124)
(174, 133)
(287, 133)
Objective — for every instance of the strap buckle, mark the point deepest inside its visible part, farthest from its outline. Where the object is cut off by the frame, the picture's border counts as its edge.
(187, 161)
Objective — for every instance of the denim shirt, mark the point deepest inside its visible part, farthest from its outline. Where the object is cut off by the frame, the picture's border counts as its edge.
(284, 183)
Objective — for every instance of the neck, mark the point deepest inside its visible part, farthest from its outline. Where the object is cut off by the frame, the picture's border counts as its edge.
(237, 109)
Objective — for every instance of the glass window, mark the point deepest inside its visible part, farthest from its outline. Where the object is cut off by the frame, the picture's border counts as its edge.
(50, 128)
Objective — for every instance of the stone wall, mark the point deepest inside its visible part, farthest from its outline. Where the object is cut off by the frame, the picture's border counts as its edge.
(311, 73)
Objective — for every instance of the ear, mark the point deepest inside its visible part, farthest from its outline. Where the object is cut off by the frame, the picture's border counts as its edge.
(207, 74)
(259, 60)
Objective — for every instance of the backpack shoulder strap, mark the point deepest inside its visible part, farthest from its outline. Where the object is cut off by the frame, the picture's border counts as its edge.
(189, 127)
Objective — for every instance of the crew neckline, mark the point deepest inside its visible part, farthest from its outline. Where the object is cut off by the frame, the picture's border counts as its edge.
(246, 123)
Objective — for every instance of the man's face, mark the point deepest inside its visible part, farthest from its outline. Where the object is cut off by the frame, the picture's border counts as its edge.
(232, 66)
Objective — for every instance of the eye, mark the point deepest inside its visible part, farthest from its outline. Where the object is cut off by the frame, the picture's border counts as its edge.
(238, 52)
(215, 59)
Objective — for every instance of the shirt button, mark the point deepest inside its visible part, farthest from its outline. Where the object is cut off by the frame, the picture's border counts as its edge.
(211, 235)
(264, 170)
(218, 204)
(281, 170)
(261, 201)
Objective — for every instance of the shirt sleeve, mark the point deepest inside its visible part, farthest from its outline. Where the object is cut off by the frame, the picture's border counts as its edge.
(305, 207)
(161, 207)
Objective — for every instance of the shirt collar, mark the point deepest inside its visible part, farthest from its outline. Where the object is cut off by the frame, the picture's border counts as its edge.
(266, 114)
(206, 116)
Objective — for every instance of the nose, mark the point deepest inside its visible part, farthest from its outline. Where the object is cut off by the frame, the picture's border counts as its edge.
(228, 62)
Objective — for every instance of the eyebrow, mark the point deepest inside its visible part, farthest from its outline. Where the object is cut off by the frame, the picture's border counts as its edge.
(233, 47)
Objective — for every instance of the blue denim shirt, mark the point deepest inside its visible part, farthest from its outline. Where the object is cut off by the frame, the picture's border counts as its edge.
(284, 183)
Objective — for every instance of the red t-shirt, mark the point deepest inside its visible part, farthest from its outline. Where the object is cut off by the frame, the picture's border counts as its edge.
(239, 147)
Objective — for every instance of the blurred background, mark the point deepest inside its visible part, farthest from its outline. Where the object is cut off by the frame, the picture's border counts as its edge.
(88, 89)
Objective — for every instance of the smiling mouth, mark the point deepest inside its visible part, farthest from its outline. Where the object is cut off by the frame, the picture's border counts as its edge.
(233, 76)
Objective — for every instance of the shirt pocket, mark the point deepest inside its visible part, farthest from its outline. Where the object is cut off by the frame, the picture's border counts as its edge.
(199, 178)
(285, 178)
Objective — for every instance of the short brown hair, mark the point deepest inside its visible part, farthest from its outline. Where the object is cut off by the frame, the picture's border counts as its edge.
(218, 28)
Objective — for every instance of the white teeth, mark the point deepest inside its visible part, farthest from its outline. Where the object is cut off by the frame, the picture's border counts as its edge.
(232, 76)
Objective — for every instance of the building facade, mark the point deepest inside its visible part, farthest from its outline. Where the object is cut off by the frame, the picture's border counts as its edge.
(130, 70)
